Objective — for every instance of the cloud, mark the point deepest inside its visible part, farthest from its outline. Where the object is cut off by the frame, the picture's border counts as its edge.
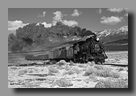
(43, 14)
(99, 11)
(111, 20)
(118, 10)
(59, 18)
(14, 25)
(45, 24)
(70, 22)
(76, 13)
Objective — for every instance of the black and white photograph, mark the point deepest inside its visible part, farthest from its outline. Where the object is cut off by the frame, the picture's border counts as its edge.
(68, 47)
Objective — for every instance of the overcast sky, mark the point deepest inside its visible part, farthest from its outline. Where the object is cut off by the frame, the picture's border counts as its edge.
(94, 19)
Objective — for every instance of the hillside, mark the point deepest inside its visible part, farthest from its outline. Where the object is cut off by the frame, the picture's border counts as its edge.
(35, 37)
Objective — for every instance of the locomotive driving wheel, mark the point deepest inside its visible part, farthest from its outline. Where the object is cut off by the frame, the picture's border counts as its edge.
(85, 58)
(76, 58)
(99, 61)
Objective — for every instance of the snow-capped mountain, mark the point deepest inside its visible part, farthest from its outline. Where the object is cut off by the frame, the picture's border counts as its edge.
(114, 38)
(124, 28)
(108, 32)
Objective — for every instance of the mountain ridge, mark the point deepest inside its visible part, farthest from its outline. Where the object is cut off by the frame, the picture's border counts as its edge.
(114, 38)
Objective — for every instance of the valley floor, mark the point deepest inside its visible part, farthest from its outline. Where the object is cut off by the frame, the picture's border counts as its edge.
(117, 57)
(72, 75)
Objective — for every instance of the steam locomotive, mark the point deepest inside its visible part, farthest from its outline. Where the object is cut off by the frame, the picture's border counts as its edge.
(81, 51)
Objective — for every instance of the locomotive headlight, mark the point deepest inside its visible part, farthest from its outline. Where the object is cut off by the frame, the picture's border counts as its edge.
(97, 39)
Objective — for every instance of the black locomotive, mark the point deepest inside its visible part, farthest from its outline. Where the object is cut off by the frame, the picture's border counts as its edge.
(82, 51)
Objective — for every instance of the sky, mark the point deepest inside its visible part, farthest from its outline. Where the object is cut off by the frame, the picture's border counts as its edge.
(94, 19)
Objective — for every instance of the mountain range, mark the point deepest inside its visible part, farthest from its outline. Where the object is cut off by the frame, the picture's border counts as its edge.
(114, 39)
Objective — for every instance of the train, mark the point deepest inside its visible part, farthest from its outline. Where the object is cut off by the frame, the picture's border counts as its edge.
(78, 51)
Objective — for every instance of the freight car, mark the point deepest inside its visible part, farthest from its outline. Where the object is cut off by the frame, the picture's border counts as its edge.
(81, 51)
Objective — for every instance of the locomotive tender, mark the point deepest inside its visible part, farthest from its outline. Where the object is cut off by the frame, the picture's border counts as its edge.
(82, 51)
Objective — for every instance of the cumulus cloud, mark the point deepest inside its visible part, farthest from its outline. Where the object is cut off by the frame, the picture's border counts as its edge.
(70, 22)
(43, 14)
(14, 25)
(76, 13)
(59, 18)
(111, 20)
(118, 10)
(46, 25)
